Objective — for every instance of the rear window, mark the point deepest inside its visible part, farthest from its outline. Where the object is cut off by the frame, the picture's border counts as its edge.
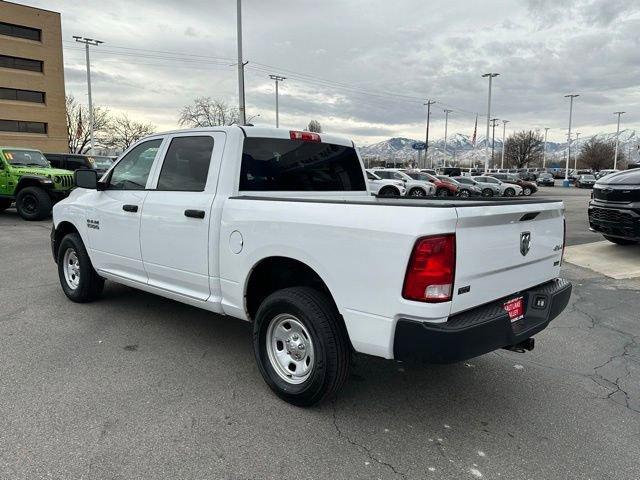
(271, 164)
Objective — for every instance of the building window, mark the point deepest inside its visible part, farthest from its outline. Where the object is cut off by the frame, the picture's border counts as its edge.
(21, 95)
(22, 127)
(19, 63)
(21, 32)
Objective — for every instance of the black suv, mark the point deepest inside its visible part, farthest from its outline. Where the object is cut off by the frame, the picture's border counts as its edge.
(74, 161)
(614, 209)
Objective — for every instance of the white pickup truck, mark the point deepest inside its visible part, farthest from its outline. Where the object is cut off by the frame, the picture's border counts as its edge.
(278, 228)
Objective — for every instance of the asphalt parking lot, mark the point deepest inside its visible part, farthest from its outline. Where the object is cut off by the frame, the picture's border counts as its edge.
(137, 386)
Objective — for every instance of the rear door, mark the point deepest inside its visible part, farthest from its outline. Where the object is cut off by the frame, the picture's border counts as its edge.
(174, 233)
(502, 249)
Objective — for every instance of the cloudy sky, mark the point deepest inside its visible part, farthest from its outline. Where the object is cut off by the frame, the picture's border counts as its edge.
(363, 68)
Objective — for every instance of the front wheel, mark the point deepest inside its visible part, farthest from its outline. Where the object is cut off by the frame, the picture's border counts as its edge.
(510, 192)
(464, 193)
(301, 345)
(417, 192)
(389, 192)
(620, 241)
(33, 203)
(526, 191)
(78, 279)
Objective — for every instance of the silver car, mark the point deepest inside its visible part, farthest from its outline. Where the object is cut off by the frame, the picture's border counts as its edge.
(506, 189)
(486, 189)
(415, 188)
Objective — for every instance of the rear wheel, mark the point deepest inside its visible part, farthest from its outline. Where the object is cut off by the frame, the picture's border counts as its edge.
(301, 346)
(417, 192)
(389, 192)
(620, 241)
(78, 279)
(487, 192)
(510, 192)
(33, 203)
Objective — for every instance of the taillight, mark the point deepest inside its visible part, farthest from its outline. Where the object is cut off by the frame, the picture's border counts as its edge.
(431, 269)
(304, 136)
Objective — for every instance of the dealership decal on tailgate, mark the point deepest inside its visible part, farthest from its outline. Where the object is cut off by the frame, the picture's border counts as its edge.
(515, 308)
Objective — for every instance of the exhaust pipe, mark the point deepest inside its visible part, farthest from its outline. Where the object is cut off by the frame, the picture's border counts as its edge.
(527, 345)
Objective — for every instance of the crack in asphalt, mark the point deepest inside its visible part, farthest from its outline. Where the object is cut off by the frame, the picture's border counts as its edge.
(366, 449)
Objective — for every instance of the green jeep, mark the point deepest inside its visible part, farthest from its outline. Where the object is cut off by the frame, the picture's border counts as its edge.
(27, 177)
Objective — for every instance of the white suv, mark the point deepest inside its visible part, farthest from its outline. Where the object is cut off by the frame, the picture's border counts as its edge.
(385, 188)
(415, 188)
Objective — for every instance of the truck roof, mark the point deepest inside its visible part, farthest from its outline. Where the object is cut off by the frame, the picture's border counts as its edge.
(264, 132)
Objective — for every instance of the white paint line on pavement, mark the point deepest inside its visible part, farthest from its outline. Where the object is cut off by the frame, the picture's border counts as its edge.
(615, 261)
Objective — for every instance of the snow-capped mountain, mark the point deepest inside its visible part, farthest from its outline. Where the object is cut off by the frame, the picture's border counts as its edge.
(460, 148)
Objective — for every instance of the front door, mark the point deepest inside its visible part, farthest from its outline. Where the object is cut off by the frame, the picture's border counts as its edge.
(114, 220)
(174, 231)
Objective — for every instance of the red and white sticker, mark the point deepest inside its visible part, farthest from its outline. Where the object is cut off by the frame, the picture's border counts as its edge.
(515, 308)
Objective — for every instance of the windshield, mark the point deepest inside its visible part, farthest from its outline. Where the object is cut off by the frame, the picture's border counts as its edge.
(588, 177)
(545, 175)
(101, 162)
(447, 179)
(31, 158)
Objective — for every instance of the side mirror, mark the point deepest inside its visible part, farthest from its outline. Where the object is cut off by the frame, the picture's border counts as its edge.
(86, 178)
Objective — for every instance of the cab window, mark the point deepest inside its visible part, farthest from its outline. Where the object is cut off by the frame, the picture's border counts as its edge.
(133, 169)
(186, 164)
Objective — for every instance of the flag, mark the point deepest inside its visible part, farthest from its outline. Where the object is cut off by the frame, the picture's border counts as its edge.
(475, 132)
(79, 130)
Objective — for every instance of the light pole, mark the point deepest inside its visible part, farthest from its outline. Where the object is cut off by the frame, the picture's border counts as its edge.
(493, 138)
(615, 158)
(544, 151)
(490, 76)
(575, 154)
(446, 125)
(95, 43)
(504, 133)
(277, 78)
(566, 170)
(426, 143)
(241, 105)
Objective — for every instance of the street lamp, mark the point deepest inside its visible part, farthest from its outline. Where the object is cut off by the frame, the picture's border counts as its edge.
(566, 170)
(493, 139)
(504, 131)
(277, 78)
(615, 158)
(446, 124)
(544, 152)
(490, 76)
(426, 142)
(575, 154)
(87, 42)
(241, 105)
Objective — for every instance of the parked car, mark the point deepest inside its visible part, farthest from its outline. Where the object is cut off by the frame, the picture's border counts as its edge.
(385, 188)
(614, 209)
(415, 188)
(486, 189)
(546, 180)
(604, 173)
(463, 189)
(527, 187)
(430, 171)
(74, 161)
(442, 189)
(27, 178)
(274, 223)
(574, 174)
(450, 171)
(585, 181)
(506, 189)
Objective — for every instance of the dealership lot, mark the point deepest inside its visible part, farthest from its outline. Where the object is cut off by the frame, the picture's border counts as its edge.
(137, 386)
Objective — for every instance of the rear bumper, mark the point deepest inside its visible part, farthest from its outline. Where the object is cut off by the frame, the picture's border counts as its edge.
(480, 330)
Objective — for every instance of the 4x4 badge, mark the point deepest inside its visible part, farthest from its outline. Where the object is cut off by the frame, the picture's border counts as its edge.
(525, 243)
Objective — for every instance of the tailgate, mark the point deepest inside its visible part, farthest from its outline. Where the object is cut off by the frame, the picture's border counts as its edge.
(502, 249)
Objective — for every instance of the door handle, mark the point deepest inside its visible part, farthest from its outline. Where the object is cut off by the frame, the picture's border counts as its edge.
(194, 213)
(130, 208)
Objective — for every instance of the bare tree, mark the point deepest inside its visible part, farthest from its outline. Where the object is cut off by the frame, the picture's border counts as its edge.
(78, 131)
(314, 126)
(122, 132)
(523, 148)
(597, 154)
(208, 112)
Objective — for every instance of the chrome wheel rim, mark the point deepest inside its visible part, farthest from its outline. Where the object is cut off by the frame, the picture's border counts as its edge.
(416, 192)
(290, 349)
(71, 268)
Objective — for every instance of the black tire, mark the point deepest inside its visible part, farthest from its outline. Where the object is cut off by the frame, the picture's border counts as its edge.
(33, 203)
(442, 192)
(389, 192)
(464, 193)
(417, 192)
(4, 204)
(526, 191)
(510, 192)
(620, 241)
(90, 284)
(487, 192)
(331, 348)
